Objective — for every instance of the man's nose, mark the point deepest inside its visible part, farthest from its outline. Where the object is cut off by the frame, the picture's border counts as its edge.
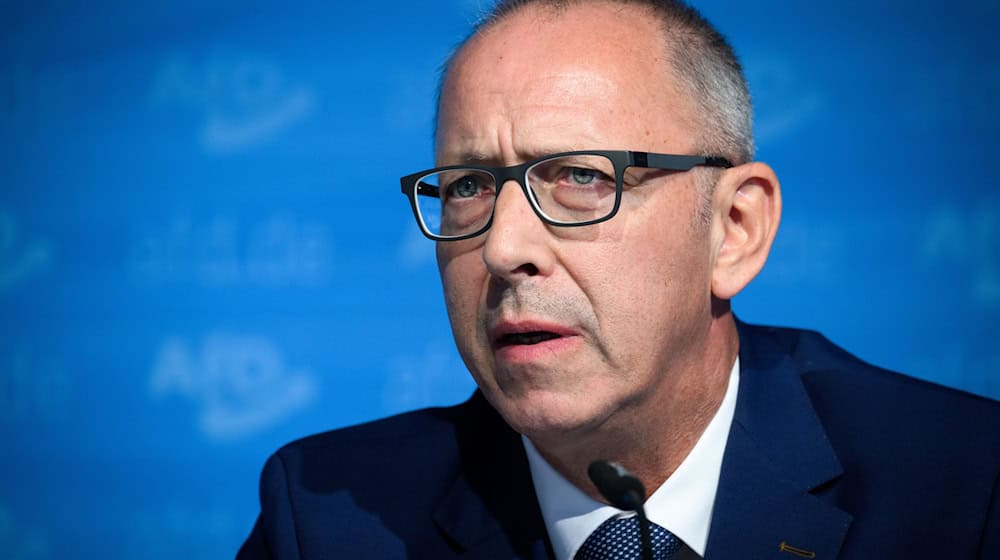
(517, 243)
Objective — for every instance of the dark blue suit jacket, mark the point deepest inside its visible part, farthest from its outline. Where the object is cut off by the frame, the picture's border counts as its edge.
(827, 456)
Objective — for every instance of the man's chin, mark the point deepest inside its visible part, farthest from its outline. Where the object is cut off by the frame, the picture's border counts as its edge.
(548, 417)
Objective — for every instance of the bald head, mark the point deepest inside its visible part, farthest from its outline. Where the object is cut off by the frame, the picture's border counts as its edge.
(549, 82)
(693, 56)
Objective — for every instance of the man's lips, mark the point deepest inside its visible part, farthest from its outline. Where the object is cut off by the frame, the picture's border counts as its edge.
(526, 333)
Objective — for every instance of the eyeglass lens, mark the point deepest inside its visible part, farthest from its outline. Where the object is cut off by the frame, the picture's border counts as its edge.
(566, 190)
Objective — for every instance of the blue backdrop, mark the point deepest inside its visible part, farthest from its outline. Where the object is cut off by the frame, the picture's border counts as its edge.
(204, 252)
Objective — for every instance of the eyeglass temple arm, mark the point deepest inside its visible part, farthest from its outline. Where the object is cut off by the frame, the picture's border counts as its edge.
(428, 189)
(680, 163)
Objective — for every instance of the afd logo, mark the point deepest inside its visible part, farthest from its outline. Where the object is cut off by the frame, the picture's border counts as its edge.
(429, 377)
(244, 100)
(240, 382)
(220, 250)
(966, 240)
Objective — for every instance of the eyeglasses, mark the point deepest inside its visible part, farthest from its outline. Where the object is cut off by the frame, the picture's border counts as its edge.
(567, 189)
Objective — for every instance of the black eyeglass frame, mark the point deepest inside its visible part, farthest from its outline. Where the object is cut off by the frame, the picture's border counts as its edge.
(621, 160)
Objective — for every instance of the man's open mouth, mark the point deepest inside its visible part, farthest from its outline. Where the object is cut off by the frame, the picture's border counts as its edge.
(525, 338)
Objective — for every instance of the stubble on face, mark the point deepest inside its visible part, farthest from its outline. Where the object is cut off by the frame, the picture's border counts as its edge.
(636, 287)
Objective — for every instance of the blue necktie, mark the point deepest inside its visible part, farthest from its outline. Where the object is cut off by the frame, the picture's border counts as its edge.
(618, 538)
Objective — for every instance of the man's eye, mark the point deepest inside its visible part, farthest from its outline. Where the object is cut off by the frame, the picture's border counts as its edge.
(583, 176)
(465, 187)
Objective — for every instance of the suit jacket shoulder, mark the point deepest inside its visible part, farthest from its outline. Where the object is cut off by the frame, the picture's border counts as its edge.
(835, 456)
(433, 483)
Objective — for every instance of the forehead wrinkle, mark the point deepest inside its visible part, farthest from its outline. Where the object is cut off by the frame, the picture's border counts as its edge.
(542, 101)
(528, 133)
(552, 114)
(551, 138)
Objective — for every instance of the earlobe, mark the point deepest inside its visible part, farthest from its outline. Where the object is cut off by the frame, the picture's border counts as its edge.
(747, 211)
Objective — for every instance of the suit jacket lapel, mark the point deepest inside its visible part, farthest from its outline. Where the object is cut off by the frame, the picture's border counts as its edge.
(491, 510)
(776, 455)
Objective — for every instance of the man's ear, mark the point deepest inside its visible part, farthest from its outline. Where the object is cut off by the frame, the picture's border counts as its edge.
(746, 207)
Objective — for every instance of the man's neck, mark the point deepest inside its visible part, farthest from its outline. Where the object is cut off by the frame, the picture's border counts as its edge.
(652, 438)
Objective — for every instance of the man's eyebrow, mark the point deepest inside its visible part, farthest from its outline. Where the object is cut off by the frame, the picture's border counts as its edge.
(468, 157)
(474, 157)
(477, 157)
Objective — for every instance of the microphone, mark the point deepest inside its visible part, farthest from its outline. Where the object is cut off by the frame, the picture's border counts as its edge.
(618, 486)
(623, 490)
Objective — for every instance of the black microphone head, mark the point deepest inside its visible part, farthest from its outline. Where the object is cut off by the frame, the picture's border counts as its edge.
(619, 487)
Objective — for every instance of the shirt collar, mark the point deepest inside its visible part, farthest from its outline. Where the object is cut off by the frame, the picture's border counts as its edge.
(682, 504)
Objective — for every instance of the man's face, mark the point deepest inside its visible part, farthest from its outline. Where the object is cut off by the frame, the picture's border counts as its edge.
(566, 329)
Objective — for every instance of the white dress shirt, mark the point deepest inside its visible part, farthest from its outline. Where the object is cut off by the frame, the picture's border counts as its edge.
(682, 504)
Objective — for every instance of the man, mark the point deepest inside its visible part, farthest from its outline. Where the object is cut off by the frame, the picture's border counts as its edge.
(596, 207)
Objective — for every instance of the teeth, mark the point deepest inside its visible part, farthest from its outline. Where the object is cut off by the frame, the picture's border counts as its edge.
(529, 337)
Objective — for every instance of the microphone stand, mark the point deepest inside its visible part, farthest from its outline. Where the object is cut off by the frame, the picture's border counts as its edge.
(644, 537)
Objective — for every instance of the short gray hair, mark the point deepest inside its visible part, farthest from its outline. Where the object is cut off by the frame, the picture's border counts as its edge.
(702, 59)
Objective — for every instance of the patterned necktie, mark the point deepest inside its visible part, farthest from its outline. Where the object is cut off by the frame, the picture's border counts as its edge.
(618, 538)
